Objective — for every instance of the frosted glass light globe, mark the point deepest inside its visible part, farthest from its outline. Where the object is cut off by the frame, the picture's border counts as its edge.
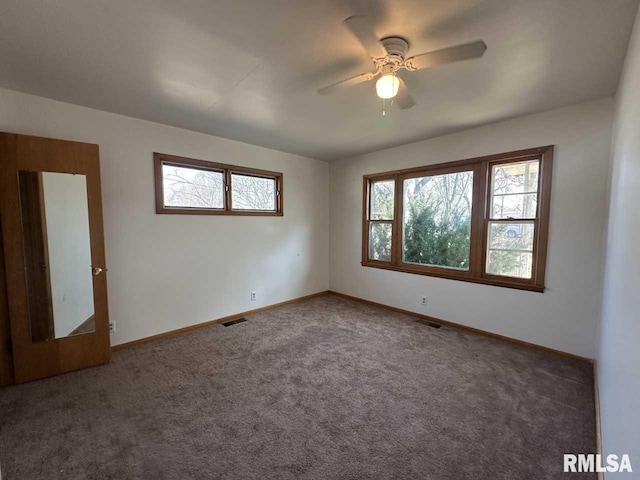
(387, 86)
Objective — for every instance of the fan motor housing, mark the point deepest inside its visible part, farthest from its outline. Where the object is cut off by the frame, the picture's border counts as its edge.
(397, 47)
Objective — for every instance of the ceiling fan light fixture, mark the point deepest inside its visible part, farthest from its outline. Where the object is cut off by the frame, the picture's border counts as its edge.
(387, 86)
(389, 55)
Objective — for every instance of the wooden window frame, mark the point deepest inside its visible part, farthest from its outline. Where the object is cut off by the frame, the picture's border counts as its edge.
(160, 159)
(480, 219)
(368, 221)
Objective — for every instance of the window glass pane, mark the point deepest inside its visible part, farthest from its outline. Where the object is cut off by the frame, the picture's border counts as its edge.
(253, 193)
(188, 187)
(380, 241)
(515, 190)
(515, 206)
(510, 249)
(382, 200)
(437, 220)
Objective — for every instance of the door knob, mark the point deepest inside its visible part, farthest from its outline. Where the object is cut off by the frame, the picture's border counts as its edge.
(96, 271)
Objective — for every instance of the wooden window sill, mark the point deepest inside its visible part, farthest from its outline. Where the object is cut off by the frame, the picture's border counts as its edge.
(205, 211)
(456, 275)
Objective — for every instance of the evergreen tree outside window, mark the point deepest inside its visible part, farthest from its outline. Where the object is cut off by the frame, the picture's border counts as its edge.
(437, 220)
(482, 220)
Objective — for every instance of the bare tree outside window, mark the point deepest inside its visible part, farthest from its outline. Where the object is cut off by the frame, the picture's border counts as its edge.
(515, 190)
(382, 194)
(187, 186)
(192, 188)
(514, 197)
(253, 193)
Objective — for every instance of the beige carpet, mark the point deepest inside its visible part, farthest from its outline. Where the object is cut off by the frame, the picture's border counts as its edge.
(325, 389)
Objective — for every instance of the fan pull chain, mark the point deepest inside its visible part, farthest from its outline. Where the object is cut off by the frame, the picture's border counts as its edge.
(384, 107)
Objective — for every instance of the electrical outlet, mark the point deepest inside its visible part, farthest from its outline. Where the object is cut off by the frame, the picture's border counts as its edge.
(254, 296)
(112, 327)
(424, 301)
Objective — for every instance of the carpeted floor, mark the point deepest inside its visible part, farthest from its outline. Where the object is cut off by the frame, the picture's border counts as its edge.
(324, 389)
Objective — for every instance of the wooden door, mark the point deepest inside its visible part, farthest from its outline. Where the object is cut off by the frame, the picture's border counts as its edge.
(51, 210)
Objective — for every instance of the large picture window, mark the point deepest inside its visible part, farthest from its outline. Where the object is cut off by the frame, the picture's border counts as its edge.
(436, 220)
(482, 220)
(188, 186)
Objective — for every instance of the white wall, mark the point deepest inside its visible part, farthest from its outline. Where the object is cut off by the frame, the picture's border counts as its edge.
(619, 341)
(171, 271)
(565, 316)
(69, 246)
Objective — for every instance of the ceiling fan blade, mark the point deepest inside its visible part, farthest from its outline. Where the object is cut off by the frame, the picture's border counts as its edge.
(363, 77)
(362, 29)
(402, 98)
(447, 55)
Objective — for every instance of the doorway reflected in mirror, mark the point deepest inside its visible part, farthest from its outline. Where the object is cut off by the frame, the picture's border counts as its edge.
(57, 251)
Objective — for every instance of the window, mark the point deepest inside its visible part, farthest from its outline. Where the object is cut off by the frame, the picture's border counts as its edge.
(512, 218)
(436, 220)
(482, 220)
(249, 192)
(380, 225)
(188, 186)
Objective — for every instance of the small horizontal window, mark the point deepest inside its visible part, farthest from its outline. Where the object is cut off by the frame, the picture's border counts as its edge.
(188, 186)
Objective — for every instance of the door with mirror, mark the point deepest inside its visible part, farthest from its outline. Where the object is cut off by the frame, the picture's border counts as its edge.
(54, 255)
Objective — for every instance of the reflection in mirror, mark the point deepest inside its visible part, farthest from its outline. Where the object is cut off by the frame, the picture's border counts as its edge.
(55, 232)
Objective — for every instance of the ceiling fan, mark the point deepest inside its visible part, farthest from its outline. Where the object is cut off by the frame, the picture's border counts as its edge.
(389, 56)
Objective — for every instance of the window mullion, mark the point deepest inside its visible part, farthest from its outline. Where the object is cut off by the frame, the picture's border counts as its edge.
(478, 226)
(396, 226)
(227, 188)
(366, 214)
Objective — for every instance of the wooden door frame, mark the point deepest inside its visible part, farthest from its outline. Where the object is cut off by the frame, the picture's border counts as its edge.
(43, 359)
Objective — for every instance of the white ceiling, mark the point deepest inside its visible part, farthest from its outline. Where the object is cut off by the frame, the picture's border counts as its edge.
(249, 69)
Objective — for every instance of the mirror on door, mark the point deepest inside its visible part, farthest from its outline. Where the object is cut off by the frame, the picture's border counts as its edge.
(57, 250)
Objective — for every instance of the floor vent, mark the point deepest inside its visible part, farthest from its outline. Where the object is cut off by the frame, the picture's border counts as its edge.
(427, 322)
(233, 322)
